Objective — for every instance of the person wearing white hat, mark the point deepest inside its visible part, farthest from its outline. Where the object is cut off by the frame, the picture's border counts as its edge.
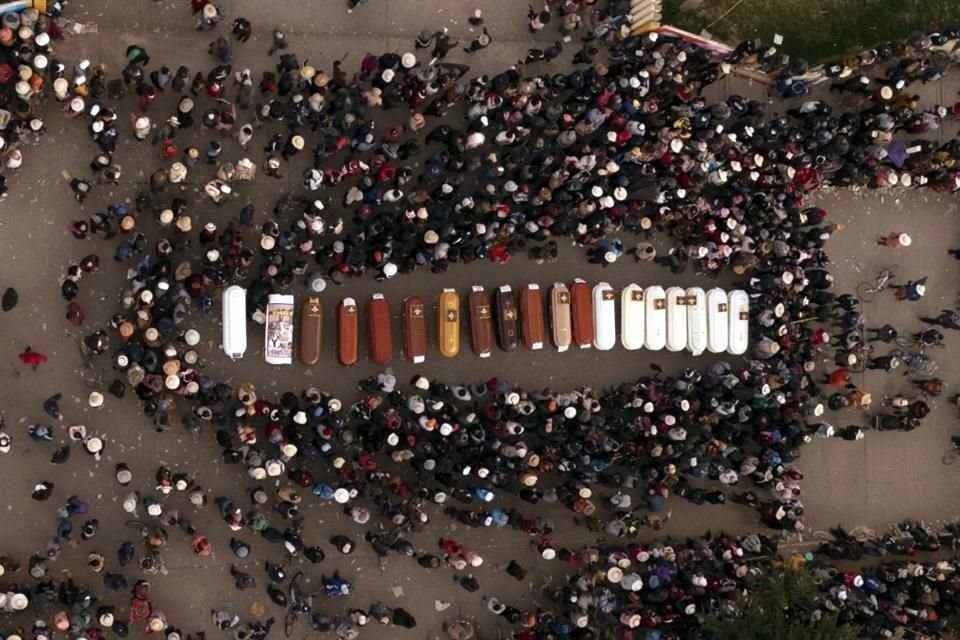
(94, 446)
(95, 400)
(482, 41)
(275, 468)
(75, 108)
(293, 146)
(895, 240)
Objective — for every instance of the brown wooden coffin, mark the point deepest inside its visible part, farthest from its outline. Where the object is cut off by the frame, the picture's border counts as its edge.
(532, 329)
(507, 318)
(379, 332)
(414, 329)
(448, 323)
(311, 330)
(581, 313)
(348, 332)
(481, 322)
(560, 316)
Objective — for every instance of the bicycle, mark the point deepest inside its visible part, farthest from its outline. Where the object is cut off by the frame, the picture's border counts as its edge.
(908, 341)
(867, 292)
(87, 358)
(298, 604)
(917, 362)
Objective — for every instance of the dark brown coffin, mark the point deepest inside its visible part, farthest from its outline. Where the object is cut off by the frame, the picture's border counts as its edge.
(311, 330)
(507, 326)
(581, 313)
(379, 331)
(348, 332)
(532, 328)
(481, 322)
(414, 329)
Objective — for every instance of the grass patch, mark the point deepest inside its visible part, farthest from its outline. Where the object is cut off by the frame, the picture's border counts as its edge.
(815, 30)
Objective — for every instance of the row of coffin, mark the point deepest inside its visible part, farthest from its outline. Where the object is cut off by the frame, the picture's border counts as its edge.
(651, 318)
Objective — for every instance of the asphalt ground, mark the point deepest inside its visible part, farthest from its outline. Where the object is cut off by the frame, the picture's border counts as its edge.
(885, 477)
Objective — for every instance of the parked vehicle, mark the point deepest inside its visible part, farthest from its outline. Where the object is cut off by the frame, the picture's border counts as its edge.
(379, 331)
(235, 322)
(414, 329)
(505, 307)
(655, 315)
(560, 322)
(531, 317)
(604, 317)
(278, 328)
(718, 321)
(448, 323)
(481, 322)
(348, 332)
(632, 317)
(311, 331)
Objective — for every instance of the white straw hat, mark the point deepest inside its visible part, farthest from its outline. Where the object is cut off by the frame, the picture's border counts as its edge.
(19, 602)
(94, 445)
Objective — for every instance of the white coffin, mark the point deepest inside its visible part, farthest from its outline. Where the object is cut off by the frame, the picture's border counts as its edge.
(632, 313)
(676, 319)
(739, 322)
(718, 321)
(235, 322)
(655, 314)
(604, 317)
(696, 320)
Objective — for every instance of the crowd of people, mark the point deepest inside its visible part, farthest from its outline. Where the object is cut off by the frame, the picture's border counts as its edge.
(622, 142)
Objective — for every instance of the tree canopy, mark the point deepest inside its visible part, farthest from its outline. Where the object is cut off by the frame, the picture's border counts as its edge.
(778, 610)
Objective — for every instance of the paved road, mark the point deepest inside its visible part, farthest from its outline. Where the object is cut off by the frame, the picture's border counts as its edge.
(882, 478)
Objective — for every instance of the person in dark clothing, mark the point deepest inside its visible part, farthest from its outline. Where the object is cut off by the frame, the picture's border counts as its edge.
(241, 580)
(948, 319)
(482, 41)
(886, 333)
(403, 618)
(884, 363)
(314, 554)
(585, 55)
(468, 582)
(516, 571)
(115, 581)
(242, 29)
(928, 338)
(444, 45)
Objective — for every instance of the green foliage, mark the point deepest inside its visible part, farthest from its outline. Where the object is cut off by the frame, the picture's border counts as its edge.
(819, 31)
(772, 613)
